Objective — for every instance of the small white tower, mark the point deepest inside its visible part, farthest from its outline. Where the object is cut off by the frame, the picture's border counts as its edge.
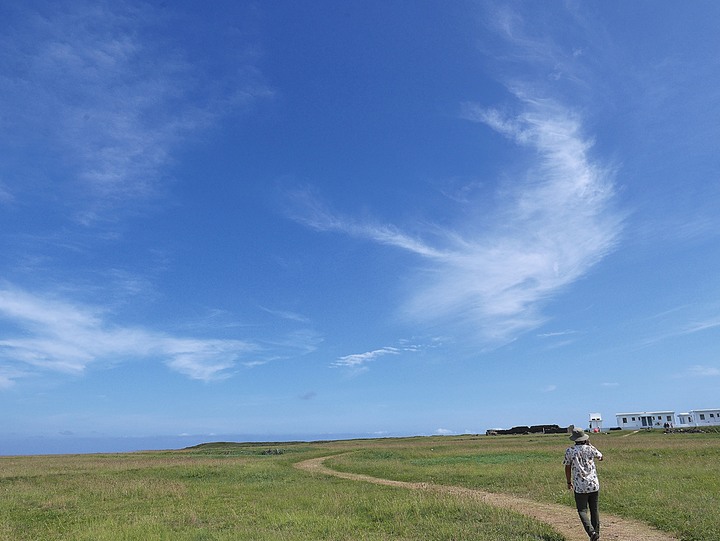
(595, 422)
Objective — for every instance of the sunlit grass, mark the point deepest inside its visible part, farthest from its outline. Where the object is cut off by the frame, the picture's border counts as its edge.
(234, 492)
(229, 492)
(671, 481)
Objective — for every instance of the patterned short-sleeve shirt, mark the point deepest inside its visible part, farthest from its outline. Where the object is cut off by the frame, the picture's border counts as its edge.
(581, 459)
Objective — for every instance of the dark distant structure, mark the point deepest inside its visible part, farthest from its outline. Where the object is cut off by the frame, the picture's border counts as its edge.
(536, 429)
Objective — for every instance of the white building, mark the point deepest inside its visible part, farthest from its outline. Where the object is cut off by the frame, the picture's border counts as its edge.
(595, 422)
(697, 418)
(645, 419)
(659, 419)
(685, 419)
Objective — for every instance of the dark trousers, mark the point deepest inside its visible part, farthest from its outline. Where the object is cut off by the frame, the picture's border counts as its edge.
(587, 508)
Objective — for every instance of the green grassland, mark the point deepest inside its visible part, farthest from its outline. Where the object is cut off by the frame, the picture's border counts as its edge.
(671, 481)
(232, 491)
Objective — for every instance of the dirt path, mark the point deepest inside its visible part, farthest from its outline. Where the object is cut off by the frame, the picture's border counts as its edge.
(561, 518)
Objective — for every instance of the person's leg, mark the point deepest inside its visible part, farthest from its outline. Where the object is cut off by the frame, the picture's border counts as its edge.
(593, 499)
(581, 502)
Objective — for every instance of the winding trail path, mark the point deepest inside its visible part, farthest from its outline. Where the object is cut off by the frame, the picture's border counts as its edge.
(561, 518)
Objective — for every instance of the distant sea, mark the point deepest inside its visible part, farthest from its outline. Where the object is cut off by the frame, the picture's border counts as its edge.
(63, 445)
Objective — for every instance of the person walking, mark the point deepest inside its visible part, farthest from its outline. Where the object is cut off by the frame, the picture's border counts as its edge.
(582, 479)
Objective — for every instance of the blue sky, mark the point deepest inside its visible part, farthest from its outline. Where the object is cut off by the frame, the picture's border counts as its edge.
(289, 219)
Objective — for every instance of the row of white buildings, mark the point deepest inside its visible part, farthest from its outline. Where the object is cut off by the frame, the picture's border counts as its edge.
(661, 419)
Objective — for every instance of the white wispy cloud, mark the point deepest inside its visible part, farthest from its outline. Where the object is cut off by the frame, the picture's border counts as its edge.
(286, 314)
(308, 209)
(700, 326)
(5, 195)
(358, 360)
(677, 329)
(554, 218)
(704, 371)
(556, 334)
(57, 335)
(553, 224)
(294, 342)
(556, 223)
(9, 375)
(96, 87)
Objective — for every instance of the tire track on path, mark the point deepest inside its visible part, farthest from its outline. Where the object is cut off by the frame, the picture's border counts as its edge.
(562, 518)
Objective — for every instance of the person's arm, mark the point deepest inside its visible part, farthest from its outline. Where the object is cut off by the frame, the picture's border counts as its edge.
(568, 471)
(598, 454)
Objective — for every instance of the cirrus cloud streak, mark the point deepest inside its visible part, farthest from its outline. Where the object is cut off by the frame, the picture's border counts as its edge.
(60, 336)
(553, 222)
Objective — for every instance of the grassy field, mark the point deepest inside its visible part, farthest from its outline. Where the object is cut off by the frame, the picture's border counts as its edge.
(233, 491)
(671, 481)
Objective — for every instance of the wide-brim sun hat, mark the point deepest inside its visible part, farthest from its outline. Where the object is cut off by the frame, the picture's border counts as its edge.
(578, 434)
